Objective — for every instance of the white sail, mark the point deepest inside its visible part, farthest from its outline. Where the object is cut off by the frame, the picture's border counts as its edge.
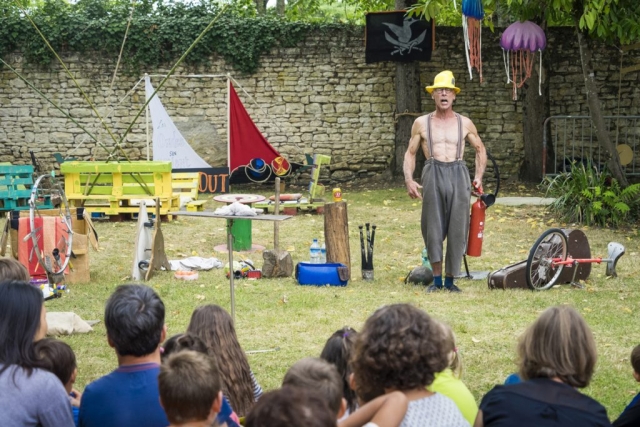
(168, 142)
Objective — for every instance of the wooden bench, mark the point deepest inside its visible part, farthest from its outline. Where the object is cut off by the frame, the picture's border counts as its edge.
(112, 188)
(185, 185)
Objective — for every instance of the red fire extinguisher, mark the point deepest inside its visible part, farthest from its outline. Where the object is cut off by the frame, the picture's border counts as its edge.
(476, 223)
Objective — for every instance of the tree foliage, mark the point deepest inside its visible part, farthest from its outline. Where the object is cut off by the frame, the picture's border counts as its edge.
(158, 35)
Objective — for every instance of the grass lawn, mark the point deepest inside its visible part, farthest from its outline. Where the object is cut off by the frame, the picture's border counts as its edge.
(297, 320)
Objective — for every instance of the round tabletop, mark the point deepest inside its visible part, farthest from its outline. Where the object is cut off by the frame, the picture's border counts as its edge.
(241, 198)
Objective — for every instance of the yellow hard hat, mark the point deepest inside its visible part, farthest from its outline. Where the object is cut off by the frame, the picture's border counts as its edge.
(445, 80)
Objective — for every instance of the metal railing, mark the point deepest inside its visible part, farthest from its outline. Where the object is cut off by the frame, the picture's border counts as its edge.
(573, 139)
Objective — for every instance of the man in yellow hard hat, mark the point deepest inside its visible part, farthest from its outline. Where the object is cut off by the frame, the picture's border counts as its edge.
(446, 187)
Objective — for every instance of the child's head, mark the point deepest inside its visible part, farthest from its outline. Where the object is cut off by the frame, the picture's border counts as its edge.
(134, 318)
(337, 351)
(291, 406)
(181, 342)
(12, 269)
(190, 387)
(58, 358)
(214, 326)
(319, 376)
(449, 346)
(558, 344)
(399, 348)
(635, 362)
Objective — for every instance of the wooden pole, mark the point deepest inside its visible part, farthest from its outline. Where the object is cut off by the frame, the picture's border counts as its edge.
(336, 233)
(276, 211)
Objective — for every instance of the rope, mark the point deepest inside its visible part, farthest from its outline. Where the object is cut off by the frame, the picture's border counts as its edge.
(250, 168)
(172, 70)
(540, 74)
(465, 31)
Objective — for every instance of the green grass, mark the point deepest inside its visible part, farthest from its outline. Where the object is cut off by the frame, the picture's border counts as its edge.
(297, 320)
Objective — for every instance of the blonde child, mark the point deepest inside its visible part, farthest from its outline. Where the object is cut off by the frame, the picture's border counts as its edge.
(448, 382)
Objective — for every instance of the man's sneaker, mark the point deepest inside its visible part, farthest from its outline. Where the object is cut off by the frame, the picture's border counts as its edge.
(453, 288)
(433, 288)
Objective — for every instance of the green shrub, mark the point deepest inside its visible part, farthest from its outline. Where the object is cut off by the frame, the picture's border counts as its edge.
(586, 196)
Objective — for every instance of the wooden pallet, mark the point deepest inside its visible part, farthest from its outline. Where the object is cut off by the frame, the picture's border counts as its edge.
(117, 188)
(16, 182)
(185, 185)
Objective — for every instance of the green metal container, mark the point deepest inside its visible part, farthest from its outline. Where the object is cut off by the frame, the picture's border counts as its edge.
(241, 232)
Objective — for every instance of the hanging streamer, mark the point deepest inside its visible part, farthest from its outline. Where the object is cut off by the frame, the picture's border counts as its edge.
(472, 15)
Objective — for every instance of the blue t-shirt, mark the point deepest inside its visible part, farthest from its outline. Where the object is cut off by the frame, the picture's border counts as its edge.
(224, 416)
(127, 397)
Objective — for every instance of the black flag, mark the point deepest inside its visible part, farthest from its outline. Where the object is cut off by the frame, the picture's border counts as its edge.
(393, 36)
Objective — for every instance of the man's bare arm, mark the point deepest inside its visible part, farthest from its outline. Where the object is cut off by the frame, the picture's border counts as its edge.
(481, 154)
(409, 164)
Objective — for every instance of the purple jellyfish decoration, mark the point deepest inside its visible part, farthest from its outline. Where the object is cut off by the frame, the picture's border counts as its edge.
(520, 42)
(472, 14)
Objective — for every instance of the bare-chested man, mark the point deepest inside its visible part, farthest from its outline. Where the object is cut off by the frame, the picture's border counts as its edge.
(446, 187)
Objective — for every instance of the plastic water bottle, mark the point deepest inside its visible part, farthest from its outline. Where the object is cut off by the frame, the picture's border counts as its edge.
(314, 252)
(425, 259)
(323, 254)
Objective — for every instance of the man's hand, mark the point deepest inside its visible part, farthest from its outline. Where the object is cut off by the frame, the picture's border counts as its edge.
(477, 185)
(414, 189)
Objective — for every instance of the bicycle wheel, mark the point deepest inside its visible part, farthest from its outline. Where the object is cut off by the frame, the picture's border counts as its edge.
(541, 273)
(53, 252)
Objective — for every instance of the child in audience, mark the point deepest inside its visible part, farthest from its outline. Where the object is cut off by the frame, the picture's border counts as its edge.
(557, 355)
(12, 269)
(401, 348)
(214, 326)
(128, 396)
(630, 417)
(448, 382)
(387, 410)
(291, 406)
(319, 376)
(337, 351)
(182, 342)
(190, 389)
(59, 359)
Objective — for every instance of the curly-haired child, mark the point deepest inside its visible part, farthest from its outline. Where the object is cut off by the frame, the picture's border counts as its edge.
(401, 349)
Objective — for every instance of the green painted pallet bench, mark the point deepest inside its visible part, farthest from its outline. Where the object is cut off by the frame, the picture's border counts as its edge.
(116, 188)
(16, 182)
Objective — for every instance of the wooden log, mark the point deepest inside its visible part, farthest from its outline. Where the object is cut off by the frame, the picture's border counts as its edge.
(336, 233)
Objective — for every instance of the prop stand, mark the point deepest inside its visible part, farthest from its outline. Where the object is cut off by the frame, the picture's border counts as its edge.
(230, 220)
(240, 229)
(158, 258)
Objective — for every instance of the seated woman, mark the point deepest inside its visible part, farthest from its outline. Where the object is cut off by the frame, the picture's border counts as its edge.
(557, 355)
(29, 396)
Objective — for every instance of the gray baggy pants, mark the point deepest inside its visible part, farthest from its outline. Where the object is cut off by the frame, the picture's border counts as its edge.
(446, 195)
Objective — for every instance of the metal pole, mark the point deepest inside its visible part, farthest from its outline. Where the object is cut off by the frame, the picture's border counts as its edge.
(231, 272)
(276, 211)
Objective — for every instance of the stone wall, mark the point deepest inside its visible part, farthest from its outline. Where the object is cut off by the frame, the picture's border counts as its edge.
(320, 97)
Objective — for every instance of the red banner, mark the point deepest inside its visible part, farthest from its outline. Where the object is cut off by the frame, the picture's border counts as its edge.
(246, 142)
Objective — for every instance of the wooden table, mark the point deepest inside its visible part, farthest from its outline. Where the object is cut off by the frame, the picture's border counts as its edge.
(230, 220)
